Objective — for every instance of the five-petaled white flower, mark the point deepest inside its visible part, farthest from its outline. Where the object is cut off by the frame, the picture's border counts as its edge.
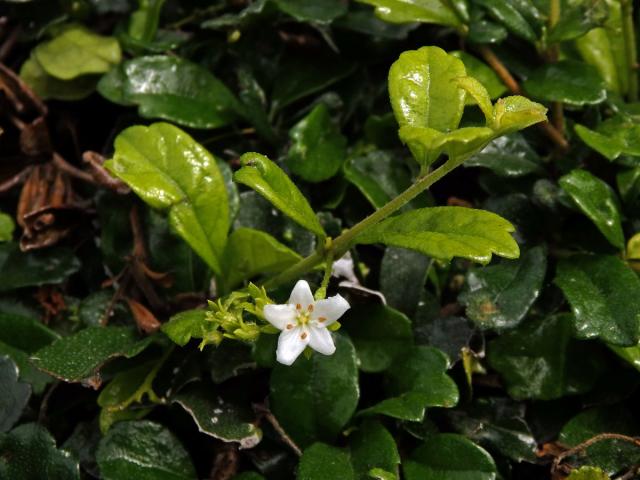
(304, 321)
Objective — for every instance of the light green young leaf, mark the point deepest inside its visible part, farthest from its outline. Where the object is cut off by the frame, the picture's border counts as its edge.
(447, 232)
(482, 72)
(588, 473)
(77, 51)
(614, 137)
(266, 178)
(516, 113)
(49, 87)
(7, 226)
(479, 95)
(143, 23)
(425, 11)
(318, 148)
(596, 200)
(251, 252)
(170, 171)
(184, 326)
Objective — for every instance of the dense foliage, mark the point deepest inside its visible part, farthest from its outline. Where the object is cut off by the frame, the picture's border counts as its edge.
(458, 181)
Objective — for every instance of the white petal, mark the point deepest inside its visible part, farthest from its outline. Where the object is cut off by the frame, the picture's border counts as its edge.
(280, 315)
(301, 295)
(321, 341)
(327, 311)
(291, 343)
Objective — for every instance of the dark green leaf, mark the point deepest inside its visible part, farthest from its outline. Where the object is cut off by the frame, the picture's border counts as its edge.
(323, 462)
(29, 453)
(266, 178)
(171, 171)
(508, 156)
(508, 14)
(15, 394)
(402, 11)
(373, 447)
(379, 333)
(173, 89)
(577, 18)
(498, 297)
(315, 398)
(25, 333)
(143, 449)
(446, 456)
(613, 137)
(447, 232)
(568, 81)
(318, 148)
(540, 359)
(402, 277)
(79, 357)
(604, 294)
(321, 11)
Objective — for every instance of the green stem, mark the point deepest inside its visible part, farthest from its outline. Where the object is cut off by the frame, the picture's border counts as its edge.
(341, 244)
(629, 36)
(321, 293)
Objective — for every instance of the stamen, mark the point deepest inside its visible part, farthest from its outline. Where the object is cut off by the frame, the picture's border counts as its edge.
(289, 326)
(298, 306)
(322, 319)
(303, 336)
(310, 308)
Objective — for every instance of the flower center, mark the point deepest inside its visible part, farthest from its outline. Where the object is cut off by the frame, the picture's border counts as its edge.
(303, 315)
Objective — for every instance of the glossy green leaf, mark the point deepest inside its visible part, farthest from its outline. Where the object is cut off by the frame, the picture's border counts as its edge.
(318, 149)
(184, 326)
(373, 447)
(25, 333)
(541, 360)
(173, 89)
(447, 232)
(613, 137)
(604, 294)
(76, 52)
(578, 18)
(28, 373)
(379, 333)
(143, 23)
(170, 171)
(426, 11)
(80, 356)
(220, 417)
(508, 15)
(266, 178)
(498, 297)
(323, 462)
(516, 113)
(15, 394)
(482, 72)
(315, 398)
(596, 200)
(321, 11)
(423, 91)
(588, 473)
(29, 452)
(508, 156)
(568, 81)
(19, 269)
(417, 379)
(145, 450)
(6, 227)
(446, 456)
(402, 277)
(252, 252)
(612, 456)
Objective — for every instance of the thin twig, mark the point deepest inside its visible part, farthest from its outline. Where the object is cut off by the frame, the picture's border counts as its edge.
(264, 412)
(65, 166)
(587, 443)
(8, 44)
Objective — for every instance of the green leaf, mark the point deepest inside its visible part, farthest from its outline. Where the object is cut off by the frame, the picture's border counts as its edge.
(76, 52)
(251, 252)
(220, 417)
(423, 90)
(184, 326)
(180, 91)
(588, 473)
(403, 11)
(25, 333)
(29, 452)
(170, 171)
(29, 269)
(6, 227)
(320, 11)
(541, 360)
(483, 73)
(612, 456)
(266, 178)
(318, 148)
(418, 380)
(323, 462)
(498, 297)
(28, 373)
(402, 277)
(508, 156)
(613, 137)
(447, 456)
(143, 449)
(15, 394)
(516, 113)
(379, 333)
(596, 200)
(314, 398)
(567, 81)
(143, 23)
(373, 447)
(604, 294)
(80, 356)
(508, 14)
(577, 19)
(447, 232)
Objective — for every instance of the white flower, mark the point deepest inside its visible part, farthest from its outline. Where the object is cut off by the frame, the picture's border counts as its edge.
(304, 321)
